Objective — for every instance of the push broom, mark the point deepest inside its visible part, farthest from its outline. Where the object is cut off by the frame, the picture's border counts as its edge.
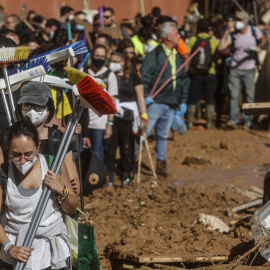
(88, 95)
(12, 55)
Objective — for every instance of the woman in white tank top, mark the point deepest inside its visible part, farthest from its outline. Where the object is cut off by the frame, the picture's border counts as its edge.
(28, 173)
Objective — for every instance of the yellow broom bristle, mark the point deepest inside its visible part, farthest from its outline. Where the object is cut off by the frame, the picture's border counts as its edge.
(102, 85)
(21, 53)
(74, 75)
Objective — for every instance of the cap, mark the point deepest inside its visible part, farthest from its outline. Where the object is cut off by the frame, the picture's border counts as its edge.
(7, 42)
(241, 15)
(36, 93)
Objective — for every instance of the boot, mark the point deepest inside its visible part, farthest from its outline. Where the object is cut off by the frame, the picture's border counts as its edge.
(162, 168)
(210, 109)
(190, 115)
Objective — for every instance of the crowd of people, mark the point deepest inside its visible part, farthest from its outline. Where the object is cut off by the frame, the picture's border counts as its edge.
(139, 66)
(156, 71)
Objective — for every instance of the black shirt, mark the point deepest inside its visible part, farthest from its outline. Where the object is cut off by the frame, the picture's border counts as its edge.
(126, 89)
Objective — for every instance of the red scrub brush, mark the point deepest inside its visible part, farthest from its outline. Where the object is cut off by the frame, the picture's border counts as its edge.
(91, 93)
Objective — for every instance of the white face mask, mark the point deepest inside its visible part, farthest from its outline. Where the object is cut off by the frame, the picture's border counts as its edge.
(26, 167)
(35, 117)
(115, 67)
(239, 25)
(70, 17)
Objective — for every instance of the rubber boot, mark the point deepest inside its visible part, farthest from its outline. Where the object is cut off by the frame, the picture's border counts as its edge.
(210, 109)
(190, 115)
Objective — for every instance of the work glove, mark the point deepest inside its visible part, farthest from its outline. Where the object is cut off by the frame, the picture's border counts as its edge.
(148, 101)
(178, 123)
(183, 109)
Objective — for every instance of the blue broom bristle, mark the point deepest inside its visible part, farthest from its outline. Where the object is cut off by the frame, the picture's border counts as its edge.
(32, 63)
(78, 47)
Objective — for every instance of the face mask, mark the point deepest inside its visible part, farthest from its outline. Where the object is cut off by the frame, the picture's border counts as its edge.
(239, 25)
(79, 27)
(51, 35)
(26, 167)
(98, 63)
(35, 117)
(115, 67)
(70, 17)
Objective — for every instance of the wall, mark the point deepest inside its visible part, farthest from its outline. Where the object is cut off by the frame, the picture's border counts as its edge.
(123, 8)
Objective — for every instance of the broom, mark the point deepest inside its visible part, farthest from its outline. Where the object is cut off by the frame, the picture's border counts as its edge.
(63, 53)
(7, 56)
(90, 94)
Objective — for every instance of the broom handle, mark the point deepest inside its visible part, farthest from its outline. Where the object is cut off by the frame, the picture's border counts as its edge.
(42, 203)
(76, 136)
(160, 73)
(149, 155)
(140, 160)
(6, 107)
(178, 70)
(10, 93)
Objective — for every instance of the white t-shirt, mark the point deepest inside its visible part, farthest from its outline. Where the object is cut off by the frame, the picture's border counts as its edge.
(96, 122)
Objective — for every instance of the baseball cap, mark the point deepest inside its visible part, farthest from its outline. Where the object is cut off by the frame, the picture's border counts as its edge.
(241, 15)
(36, 93)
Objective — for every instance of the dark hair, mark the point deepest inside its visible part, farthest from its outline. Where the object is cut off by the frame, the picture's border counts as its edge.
(79, 13)
(125, 43)
(24, 127)
(156, 11)
(108, 9)
(27, 37)
(5, 32)
(163, 19)
(38, 19)
(146, 21)
(203, 26)
(30, 12)
(145, 33)
(107, 37)
(64, 10)
(53, 22)
(99, 46)
(51, 109)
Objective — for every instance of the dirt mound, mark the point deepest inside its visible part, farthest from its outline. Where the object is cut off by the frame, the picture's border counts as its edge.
(142, 221)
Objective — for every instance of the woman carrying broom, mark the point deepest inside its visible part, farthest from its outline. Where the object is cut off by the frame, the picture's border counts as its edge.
(25, 173)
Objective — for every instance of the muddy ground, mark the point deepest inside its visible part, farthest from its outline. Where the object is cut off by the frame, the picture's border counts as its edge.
(145, 220)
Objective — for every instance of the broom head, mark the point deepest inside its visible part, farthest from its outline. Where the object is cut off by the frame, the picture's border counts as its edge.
(90, 93)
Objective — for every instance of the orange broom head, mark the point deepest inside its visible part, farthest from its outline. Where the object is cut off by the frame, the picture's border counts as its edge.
(91, 92)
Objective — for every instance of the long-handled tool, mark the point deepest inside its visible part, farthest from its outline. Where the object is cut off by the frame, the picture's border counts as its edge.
(18, 78)
(88, 95)
(143, 138)
(76, 135)
(7, 56)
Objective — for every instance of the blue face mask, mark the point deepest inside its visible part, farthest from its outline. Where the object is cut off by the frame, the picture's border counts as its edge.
(79, 27)
(51, 35)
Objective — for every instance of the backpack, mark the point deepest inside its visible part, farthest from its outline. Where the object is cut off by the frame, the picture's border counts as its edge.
(202, 61)
(104, 76)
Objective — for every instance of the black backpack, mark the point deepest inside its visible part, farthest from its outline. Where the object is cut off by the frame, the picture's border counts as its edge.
(202, 61)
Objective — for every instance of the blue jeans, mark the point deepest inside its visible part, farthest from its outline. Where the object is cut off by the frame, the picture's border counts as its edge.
(96, 138)
(160, 117)
(238, 79)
